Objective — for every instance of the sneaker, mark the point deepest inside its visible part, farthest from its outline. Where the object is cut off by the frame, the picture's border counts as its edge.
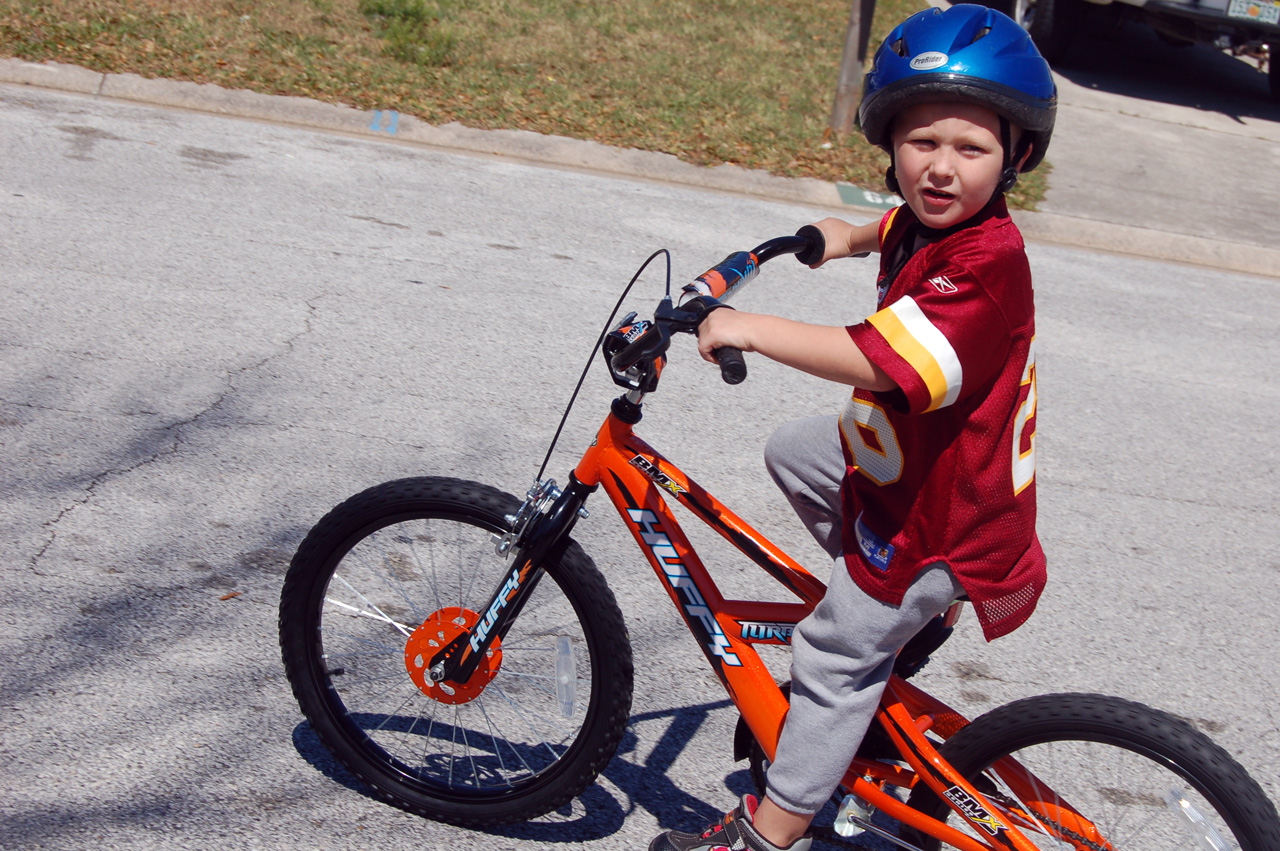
(734, 832)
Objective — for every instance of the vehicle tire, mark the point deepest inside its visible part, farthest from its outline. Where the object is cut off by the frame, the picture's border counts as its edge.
(1145, 778)
(1273, 70)
(1052, 24)
(389, 574)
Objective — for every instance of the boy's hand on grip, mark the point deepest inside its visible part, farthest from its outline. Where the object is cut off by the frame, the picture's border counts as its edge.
(831, 239)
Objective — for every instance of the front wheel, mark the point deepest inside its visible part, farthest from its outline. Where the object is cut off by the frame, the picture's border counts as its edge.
(1091, 773)
(396, 572)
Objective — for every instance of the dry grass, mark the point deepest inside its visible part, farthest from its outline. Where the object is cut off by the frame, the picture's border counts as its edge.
(743, 81)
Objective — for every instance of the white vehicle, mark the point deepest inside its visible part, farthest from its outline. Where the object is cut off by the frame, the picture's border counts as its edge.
(1241, 26)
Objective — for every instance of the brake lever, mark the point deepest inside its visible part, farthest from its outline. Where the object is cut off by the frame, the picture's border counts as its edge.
(686, 318)
(651, 344)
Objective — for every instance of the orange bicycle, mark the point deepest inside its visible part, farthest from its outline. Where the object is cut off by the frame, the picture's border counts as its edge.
(457, 650)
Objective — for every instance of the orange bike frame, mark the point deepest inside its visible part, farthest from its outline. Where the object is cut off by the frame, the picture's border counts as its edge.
(636, 478)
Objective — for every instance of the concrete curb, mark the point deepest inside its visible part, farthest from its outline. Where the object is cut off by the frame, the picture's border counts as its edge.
(593, 156)
(1147, 243)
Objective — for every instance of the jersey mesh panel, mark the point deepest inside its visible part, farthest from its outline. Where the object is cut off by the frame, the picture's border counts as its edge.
(1009, 605)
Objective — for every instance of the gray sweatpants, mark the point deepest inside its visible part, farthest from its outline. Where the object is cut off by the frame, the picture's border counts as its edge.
(842, 653)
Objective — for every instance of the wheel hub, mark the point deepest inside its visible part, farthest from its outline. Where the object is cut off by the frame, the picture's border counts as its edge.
(427, 640)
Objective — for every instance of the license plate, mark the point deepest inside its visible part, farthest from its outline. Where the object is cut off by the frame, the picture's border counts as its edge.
(1262, 11)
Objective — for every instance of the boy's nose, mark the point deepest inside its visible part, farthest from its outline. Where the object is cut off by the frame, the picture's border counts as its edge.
(943, 164)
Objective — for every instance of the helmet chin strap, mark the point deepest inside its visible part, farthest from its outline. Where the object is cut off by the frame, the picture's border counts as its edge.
(1009, 176)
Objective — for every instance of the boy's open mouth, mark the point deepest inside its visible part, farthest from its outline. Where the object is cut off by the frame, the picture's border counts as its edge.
(938, 195)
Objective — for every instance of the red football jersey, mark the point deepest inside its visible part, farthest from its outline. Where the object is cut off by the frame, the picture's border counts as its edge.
(943, 468)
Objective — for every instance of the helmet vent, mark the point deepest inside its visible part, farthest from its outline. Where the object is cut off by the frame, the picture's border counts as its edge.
(980, 34)
(900, 47)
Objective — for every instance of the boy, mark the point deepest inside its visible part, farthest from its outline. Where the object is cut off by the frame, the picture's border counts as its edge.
(923, 489)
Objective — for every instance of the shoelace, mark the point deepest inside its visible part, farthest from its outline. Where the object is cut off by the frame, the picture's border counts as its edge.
(718, 826)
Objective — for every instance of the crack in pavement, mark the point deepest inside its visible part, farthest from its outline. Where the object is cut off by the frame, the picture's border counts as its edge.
(53, 409)
(170, 435)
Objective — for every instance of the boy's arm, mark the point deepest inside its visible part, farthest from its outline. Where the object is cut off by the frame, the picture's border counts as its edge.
(826, 351)
(845, 240)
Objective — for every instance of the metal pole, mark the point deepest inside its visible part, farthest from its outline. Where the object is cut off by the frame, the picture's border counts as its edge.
(849, 87)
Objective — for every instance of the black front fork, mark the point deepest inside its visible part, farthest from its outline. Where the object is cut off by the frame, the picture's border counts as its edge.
(539, 535)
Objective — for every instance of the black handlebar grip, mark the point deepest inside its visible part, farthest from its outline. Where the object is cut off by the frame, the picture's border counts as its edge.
(733, 368)
(816, 247)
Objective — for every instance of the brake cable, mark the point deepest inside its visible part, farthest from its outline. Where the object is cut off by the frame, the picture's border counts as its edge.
(599, 342)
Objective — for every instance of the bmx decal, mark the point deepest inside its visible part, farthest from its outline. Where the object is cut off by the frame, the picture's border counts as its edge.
(973, 810)
(655, 475)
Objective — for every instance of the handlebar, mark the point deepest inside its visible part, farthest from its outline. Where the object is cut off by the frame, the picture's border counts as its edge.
(708, 292)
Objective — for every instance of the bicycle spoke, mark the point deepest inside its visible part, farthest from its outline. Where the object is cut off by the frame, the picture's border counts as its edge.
(1120, 797)
(502, 765)
(384, 649)
(401, 627)
(435, 576)
(521, 715)
(395, 581)
(543, 677)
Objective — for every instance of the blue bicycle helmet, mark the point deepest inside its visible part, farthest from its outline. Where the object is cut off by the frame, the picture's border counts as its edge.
(969, 54)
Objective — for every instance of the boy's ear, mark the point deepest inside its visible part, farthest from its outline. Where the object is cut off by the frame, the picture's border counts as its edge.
(1022, 160)
(891, 181)
(1009, 177)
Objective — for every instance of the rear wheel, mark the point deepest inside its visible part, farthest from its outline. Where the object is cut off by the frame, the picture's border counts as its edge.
(1052, 24)
(1093, 772)
(391, 575)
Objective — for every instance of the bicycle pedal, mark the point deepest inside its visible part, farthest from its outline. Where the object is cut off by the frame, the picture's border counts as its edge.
(827, 833)
(851, 815)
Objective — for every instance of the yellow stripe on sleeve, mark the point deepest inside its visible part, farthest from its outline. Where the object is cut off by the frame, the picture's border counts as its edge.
(926, 349)
(886, 223)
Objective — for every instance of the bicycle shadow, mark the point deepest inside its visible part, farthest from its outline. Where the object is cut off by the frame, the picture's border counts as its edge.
(1130, 59)
(596, 813)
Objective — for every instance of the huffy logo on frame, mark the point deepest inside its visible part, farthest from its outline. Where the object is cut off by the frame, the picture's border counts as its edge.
(649, 529)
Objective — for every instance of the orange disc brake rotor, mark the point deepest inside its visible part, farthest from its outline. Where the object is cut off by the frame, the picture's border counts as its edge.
(433, 635)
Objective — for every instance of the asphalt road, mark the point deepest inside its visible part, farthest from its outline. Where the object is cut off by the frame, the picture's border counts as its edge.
(214, 329)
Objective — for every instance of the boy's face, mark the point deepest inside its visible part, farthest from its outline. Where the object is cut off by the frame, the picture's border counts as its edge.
(948, 160)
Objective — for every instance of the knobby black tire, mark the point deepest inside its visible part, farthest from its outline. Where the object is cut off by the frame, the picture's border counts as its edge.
(1111, 760)
(378, 566)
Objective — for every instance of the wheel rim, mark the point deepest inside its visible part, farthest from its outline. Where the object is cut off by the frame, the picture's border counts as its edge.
(514, 722)
(1024, 12)
(1096, 796)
